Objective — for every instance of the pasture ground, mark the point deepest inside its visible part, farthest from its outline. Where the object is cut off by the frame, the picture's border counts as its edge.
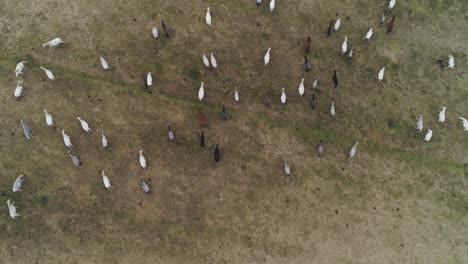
(400, 200)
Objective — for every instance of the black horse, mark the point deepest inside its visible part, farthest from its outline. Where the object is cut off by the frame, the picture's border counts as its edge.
(217, 154)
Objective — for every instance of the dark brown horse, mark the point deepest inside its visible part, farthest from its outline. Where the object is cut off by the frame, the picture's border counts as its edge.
(307, 45)
(203, 121)
(165, 29)
(335, 79)
(202, 140)
(313, 101)
(329, 31)
(217, 153)
(390, 25)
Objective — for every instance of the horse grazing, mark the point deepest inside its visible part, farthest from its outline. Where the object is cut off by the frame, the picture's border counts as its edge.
(313, 101)
(268, 100)
(165, 29)
(202, 118)
(307, 45)
(390, 25)
(217, 154)
(335, 79)
(329, 30)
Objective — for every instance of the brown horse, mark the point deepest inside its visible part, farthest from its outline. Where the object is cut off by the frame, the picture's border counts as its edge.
(390, 25)
(335, 79)
(165, 29)
(329, 30)
(307, 45)
(203, 121)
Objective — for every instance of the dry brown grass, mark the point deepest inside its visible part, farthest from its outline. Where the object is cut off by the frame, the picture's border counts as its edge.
(399, 201)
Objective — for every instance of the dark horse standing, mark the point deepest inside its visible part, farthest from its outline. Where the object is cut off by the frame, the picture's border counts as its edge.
(217, 154)
(390, 25)
(335, 79)
(307, 45)
(166, 31)
(202, 140)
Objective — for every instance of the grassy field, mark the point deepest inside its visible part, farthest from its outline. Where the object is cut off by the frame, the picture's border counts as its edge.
(400, 200)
